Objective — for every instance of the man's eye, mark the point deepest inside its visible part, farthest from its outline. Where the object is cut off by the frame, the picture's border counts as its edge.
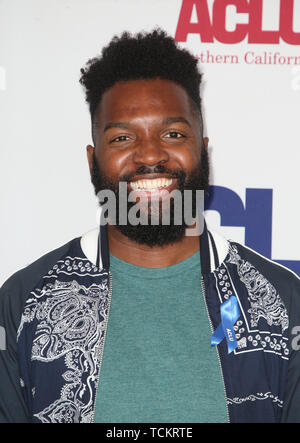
(121, 138)
(174, 134)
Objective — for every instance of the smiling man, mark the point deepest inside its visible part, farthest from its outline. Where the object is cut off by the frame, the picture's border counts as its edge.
(146, 322)
(148, 135)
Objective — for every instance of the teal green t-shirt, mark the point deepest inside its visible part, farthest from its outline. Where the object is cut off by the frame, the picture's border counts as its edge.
(158, 365)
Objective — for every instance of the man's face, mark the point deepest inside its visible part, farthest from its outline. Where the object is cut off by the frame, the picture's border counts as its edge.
(148, 135)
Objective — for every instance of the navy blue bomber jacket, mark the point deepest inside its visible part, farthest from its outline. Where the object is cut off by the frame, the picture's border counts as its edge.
(54, 314)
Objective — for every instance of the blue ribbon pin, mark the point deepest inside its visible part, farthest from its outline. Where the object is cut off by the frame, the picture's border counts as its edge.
(230, 312)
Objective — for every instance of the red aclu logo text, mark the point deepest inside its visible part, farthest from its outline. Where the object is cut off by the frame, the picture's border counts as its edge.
(215, 28)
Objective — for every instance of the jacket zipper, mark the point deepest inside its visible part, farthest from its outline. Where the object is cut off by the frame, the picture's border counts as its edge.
(108, 309)
(212, 330)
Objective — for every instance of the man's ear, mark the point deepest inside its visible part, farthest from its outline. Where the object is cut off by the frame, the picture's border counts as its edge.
(89, 152)
(206, 140)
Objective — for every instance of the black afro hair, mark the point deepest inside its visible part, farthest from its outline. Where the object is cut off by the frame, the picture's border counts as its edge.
(142, 56)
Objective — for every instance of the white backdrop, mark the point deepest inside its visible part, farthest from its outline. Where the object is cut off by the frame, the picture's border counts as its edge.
(251, 111)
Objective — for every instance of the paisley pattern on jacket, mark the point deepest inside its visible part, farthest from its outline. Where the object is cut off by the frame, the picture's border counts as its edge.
(264, 300)
(70, 322)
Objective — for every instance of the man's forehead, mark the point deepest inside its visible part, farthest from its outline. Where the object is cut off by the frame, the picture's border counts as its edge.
(143, 96)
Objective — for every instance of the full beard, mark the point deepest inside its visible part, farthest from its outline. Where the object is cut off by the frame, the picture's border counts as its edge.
(156, 234)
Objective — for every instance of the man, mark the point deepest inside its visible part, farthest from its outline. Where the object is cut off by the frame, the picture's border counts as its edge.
(117, 325)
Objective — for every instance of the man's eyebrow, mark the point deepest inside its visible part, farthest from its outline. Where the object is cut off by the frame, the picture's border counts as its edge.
(170, 120)
(165, 121)
(122, 125)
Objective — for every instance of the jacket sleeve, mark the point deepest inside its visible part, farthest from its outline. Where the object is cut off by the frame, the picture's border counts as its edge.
(12, 405)
(291, 407)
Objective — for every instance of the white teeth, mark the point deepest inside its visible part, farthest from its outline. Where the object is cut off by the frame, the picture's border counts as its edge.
(151, 183)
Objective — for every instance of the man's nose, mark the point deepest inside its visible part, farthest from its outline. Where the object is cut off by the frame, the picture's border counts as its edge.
(150, 153)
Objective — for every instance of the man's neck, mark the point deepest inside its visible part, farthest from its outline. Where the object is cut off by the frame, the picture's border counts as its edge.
(147, 256)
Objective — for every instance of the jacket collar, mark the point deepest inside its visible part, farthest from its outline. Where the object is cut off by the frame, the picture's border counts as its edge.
(213, 248)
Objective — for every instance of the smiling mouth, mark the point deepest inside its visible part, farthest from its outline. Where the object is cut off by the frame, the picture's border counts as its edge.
(151, 187)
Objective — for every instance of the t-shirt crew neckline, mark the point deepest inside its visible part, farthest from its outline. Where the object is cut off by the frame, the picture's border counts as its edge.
(189, 263)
